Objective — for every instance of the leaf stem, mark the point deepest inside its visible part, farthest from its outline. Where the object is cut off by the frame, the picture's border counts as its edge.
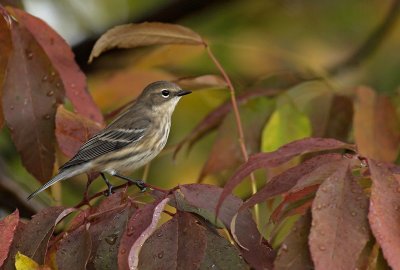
(238, 123)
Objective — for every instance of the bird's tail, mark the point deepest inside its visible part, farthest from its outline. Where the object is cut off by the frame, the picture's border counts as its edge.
(67, 173)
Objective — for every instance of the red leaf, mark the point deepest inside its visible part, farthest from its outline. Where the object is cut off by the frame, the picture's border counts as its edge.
(8, 225)
(178, 244)
(63, 60)
(141, 225)
(215, 118)
(384, 213)
(6, 50)
(72, 130)
(259, 254)
(144, 34)
(29, 103)
(314, 169)
(278, 157)
(73, 250)
(225, 152)
(340, 226)
(33, 238)
(374, 140)
(294, 252)
(290, 204)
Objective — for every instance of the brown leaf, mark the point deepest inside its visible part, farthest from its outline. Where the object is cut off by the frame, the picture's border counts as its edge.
(73, 250)
(384, 212)
(140, 226)
(110, 237)
(29, 103)
(373, 138)
(72, 130)
(258, 254)
(225, 152)
(220, 254)
(8, 225)
(144, 34)
(162, 247)
(63, 60)
(107, 224)
(339, 122)
(340, 226)
(294, 252)
(215, 118)
(316, 169)
(278, 157)
(33, 238)
(178, 244)
(6, 50)
(202, 82)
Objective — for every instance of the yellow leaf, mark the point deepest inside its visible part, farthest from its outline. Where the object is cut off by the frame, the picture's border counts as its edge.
(286, 124)
(23, 262)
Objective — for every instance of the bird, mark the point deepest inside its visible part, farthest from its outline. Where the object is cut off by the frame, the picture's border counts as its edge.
(130, 141)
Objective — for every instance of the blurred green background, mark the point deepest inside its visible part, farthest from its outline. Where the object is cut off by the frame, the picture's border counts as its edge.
(258, 42)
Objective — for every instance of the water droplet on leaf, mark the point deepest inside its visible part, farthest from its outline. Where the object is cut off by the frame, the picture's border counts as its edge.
(29, 54)
(111, 239)
(160, 255)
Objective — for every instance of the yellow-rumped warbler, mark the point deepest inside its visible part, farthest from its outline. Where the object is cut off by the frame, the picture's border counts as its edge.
(130, 141)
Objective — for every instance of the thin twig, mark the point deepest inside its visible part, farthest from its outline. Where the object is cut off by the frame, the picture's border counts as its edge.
(238, 123)
(86, 201)
(371, 44)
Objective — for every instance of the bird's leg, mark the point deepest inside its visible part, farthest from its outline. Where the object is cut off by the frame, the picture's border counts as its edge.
(109, 186)
(139, 183)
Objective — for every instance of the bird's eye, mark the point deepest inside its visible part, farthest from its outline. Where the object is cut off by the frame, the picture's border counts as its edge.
(165, 93)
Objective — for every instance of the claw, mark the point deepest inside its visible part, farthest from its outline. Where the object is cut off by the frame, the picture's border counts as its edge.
(141, 185)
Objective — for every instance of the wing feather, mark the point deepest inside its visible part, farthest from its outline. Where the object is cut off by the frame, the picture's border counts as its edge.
(110, 139)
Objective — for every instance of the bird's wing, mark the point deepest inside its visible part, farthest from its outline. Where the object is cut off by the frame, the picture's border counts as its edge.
(108, 140)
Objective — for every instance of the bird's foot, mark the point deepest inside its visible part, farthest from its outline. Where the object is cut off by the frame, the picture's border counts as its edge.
(110, 187)
(141, 185)
(109, 190)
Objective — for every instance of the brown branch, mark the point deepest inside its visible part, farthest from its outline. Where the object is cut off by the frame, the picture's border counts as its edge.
(237, 120)
(371, 44)
(13, 196)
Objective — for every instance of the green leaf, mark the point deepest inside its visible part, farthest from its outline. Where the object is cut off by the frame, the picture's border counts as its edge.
(286, 124)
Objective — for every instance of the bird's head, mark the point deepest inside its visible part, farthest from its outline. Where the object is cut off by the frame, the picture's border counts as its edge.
(162, 95)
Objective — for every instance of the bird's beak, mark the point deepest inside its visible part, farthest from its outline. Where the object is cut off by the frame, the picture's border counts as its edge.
(183, 92)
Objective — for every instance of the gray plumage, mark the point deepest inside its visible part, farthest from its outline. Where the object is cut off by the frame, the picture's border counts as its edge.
(134, 138)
